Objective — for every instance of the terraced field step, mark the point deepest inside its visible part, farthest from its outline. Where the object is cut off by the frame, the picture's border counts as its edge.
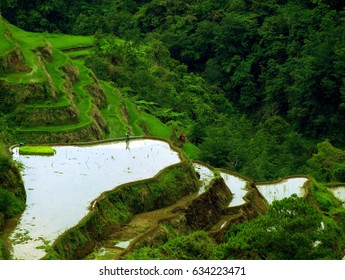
(83, 104)
(77, 48)
(78, 52)
(141, 226)
(29, 41)
(6, 43)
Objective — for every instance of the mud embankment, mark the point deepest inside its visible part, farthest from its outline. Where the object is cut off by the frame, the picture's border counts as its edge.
(207, 208)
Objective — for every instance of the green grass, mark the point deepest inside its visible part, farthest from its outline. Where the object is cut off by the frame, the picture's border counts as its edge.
(115, 120)
(36, 150)
(156, 127)
(64, 41)
(112, 113)
(78, 53)
(53, 68)
(191, 150)
(6, 44)
(134, 118)
(85, 100)
(27, 41)
(83, 103)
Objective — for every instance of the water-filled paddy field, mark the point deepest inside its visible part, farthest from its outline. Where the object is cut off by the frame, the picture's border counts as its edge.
(60, 188)
(206, 176)
(283, 189)
(339, 192)
(237, 186)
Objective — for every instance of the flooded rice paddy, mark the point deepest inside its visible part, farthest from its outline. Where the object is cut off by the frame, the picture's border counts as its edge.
(339, 192)
(60, 188)
(237, 186)
(283, 189)
(206, 176)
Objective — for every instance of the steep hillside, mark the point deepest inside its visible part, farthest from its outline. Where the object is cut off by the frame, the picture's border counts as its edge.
(49, 95)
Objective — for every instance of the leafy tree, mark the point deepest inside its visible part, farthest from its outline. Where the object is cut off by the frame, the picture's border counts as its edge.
(292, 229)
(327, 163)
(226, 141)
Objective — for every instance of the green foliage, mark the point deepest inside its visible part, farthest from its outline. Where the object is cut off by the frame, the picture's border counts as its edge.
(327, 163)
(10, 205)
(280, 56)
(324, 197)
(338, 172)
(5, 160)
(1, 250)
(253, 83)
(195, 246)
(4, 163)
(116, 213)
(269, 151)
(292, 229)
(158, 193)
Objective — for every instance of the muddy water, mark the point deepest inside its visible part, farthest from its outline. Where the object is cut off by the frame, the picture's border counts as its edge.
(237, 186)
(283, 189)
(339, 192)
(60, 188)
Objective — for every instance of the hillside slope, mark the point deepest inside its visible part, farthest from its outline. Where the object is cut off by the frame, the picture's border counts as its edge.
(49, 95)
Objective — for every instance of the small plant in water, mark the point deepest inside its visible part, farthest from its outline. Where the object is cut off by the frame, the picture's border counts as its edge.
(46, 244)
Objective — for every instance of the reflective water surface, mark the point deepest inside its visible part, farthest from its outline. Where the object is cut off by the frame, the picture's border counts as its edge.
(283, 189)
(237, 186)
(206, 176)
(60, 188)
(339, 192)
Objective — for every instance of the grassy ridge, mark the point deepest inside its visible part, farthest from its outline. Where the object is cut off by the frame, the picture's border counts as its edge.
(112, 114)
(6, 44)
(134, 118)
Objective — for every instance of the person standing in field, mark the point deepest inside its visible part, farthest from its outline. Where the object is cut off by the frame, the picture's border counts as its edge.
(127, 140)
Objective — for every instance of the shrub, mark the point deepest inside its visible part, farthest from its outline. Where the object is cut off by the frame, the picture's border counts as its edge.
(195, 246)
(1, 250)
(292, 229)
(4, 163)
(10, 205)
(338, 172)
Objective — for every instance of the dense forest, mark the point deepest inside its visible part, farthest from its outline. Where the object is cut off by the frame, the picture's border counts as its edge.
(257, 86)
(267, 80)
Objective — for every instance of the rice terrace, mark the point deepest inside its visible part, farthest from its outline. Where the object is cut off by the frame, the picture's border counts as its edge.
(172, 130)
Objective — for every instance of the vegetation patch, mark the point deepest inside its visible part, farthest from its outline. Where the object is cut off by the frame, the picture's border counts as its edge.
(194, 246)
(292, 229)
(10, 205)
(36, 150)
